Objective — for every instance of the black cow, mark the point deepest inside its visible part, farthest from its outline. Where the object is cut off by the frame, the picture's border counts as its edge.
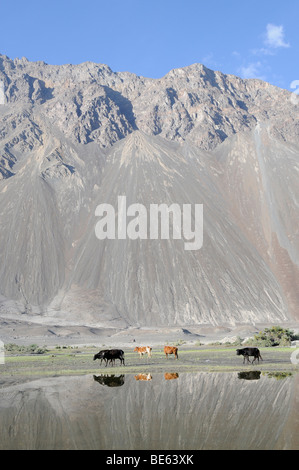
(100, 355)
(246, 352)
(111, 355)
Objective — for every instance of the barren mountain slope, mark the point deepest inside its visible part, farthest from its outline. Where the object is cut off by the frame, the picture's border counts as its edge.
(73, 137)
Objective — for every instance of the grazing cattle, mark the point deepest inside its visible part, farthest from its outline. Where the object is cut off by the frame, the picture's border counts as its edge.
(171, 350)
(246, 352)
(110, 355)
(143, 350)
(145, 377)
(100, 355)
(171, 376)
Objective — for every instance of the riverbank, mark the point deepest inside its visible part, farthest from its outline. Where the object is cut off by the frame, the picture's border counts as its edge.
(74, 361)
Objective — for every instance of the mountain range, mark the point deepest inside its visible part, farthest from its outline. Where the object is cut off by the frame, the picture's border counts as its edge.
(73, 137)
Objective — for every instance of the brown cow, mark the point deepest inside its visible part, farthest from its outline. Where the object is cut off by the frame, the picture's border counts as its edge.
(144, 350)
(171, 350)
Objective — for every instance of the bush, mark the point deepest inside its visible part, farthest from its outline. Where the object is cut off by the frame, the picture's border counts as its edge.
(275, 336)
(32, 349)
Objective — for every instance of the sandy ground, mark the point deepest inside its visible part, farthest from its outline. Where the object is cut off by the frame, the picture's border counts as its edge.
(22, 331)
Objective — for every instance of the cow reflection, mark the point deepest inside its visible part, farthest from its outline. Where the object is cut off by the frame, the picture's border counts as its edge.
(146, 377)
(171, 376)
(251, 375)
(110, 380)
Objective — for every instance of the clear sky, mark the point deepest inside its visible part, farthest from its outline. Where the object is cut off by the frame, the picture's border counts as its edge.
(252, 39)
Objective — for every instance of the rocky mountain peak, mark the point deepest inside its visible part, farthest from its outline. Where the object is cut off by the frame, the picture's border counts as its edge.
(75, 136)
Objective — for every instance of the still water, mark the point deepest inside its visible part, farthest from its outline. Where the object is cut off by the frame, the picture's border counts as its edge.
(152, 411)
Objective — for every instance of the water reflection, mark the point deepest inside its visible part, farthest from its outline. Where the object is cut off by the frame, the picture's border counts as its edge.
(198, 411)
(110, 380)
(171, 376)
(279, 375)
(144, 377)
(251, 375)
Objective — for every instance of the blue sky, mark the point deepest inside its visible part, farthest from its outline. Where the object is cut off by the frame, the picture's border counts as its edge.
(253, 39)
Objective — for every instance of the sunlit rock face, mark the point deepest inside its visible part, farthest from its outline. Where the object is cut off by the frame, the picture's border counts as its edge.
(75, 137)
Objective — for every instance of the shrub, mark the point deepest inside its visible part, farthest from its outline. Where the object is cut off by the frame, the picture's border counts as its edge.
(32, 349)
(274, 336)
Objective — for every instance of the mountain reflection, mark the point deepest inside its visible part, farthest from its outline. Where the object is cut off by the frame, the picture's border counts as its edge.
(203, 410)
